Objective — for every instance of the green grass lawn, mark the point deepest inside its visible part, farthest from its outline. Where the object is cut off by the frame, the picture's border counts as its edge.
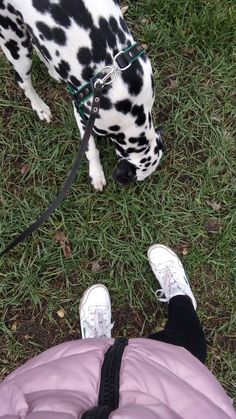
(187, 204)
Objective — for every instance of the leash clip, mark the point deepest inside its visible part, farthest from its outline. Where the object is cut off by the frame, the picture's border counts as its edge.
(108, 78)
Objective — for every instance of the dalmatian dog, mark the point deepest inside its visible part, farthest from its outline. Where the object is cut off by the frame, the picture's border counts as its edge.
(76, 39)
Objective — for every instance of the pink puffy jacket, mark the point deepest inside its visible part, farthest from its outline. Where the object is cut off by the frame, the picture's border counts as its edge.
(156, 380)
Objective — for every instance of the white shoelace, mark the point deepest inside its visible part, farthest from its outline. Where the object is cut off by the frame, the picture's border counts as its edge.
(171, 287)
(99, 328)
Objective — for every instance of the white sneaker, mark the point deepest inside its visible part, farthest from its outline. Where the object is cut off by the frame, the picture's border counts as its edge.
(170, 273)
(95, 313)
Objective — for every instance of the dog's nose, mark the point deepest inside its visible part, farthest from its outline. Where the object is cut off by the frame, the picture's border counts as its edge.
(124, 179)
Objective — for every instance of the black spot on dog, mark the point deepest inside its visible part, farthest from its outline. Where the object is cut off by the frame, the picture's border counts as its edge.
(140, 141)
(2, 5)
(116, 30)
(113, 25)
(41, 5)
(120, 150)
(105, 103)
(119, 138)
(12, 46)
(152, 82)
(150, 119)
(110, 36)
(59, 36)
(18, 77)
(12, 10)
(45, 30)
(7, 23)
(87, 73)
(75, 81)
(57, 53)
(19, 22)
(27, 42)
(56, 34)
(155, 161)
(138, 111)
(79, 13)
(84, 56)
(114, 128)
(156, 150)
(99, 45)
(63, 69)
(143, 160)
(123, 25)
(133, 79)
(135, 150)
(143, 57)
(41, 37)
(123, 106)
(109, 59)
(60, 16)
(45, 52)
(147, 164)
(100, 131)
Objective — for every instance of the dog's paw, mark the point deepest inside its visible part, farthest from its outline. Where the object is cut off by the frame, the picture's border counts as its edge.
(98, 181)
(43, 111)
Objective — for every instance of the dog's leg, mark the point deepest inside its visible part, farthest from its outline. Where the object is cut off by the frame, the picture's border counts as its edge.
(15, 42)
(96, 173)
(51, 71)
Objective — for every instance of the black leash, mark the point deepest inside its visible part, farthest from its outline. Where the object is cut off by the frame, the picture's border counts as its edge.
(71, 178)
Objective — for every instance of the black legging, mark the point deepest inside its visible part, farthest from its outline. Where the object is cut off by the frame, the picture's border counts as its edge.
(183, 327)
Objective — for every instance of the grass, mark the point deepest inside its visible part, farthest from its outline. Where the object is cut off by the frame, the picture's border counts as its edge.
(191, 45)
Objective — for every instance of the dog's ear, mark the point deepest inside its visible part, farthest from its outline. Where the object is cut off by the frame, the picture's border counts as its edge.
(125, 173)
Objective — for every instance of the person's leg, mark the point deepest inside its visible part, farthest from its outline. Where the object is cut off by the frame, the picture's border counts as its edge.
(95, 313)
(183, 327)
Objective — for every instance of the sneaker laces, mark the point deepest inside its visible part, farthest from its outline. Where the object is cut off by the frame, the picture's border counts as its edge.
(99, 328)
(171, 287)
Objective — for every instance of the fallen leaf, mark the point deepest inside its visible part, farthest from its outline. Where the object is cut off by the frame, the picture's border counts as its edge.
(61, 313)
(59, 236)
(27, 337)
(63, 242)
(144, 46)
(214, 205)
(14, 326)
(24, 169)
(144, 20)
(189, 51)
(183, 248)
(171, 83)
(212, 224)
(124, 9)
(66, 250)
(95, 266)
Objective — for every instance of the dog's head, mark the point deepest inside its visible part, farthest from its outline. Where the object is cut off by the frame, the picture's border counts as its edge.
(138, 163)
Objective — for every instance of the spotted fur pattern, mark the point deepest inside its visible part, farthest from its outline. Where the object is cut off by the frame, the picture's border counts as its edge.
(75, 39)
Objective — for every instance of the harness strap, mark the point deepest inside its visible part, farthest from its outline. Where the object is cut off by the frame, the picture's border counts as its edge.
(69, 181)
(108, 399)
(126, 57)
(121, 62)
